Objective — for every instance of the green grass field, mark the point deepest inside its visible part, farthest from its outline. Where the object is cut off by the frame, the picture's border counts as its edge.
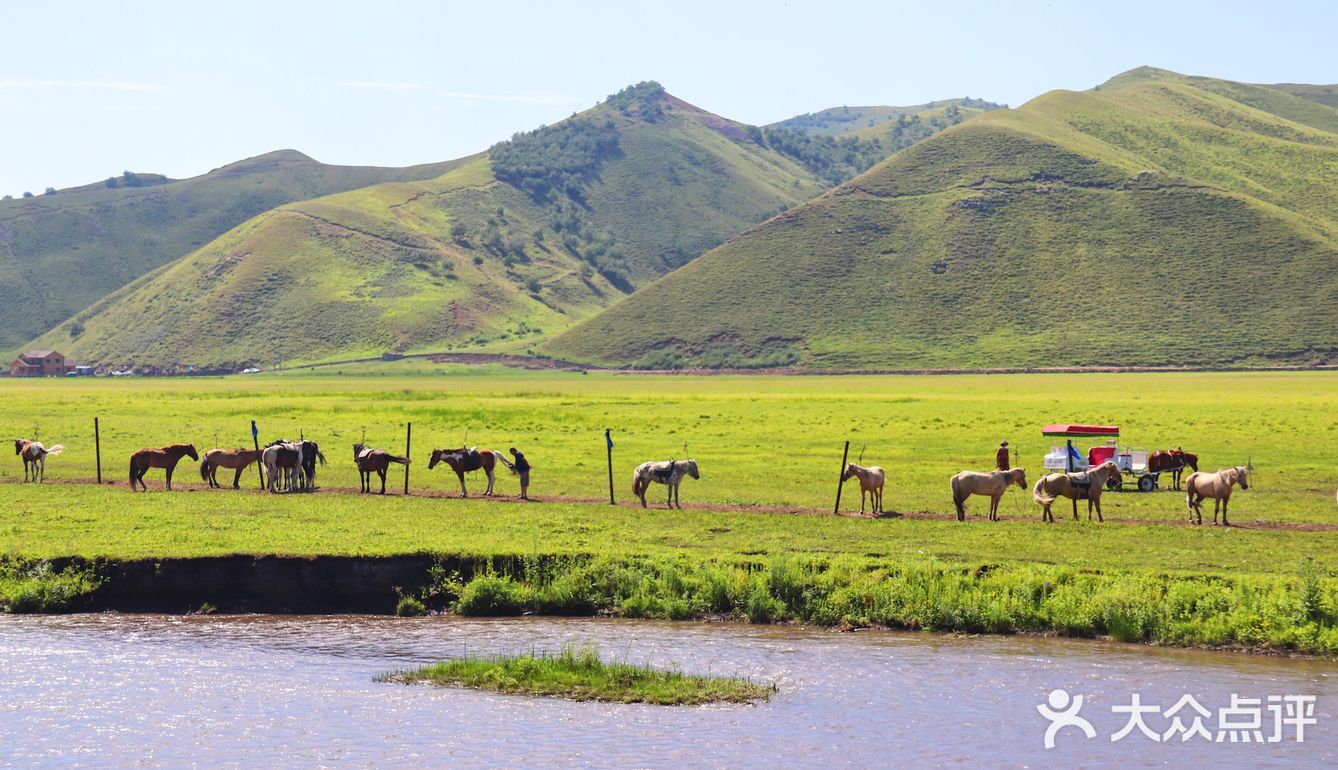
(769, 449)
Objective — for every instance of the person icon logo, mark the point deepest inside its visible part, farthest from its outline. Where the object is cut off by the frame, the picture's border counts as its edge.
(1063, 712)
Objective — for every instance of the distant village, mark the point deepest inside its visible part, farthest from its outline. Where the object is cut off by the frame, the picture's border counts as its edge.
(46, 363)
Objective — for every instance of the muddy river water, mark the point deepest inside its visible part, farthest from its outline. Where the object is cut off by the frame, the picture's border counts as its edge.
(111, 690)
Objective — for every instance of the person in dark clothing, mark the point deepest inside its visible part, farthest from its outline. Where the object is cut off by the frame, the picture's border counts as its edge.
(1001, 457)
(522, 468)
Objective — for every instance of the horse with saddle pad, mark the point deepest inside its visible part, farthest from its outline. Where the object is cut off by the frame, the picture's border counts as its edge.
(669, 473)
(1075, 486)
(469, 459)
(34, 455)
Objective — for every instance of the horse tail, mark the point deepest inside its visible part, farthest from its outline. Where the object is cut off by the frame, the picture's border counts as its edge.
(55, 450)
(637, 482)
(204, 468)
(502, 459)
(132, 472)
(957, 498)
(1039, 495)
(1189, 491)
(400, 460)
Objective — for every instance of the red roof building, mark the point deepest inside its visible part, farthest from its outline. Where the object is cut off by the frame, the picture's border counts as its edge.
(40, 363)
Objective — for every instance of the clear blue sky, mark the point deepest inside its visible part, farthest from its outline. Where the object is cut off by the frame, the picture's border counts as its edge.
(90, 89)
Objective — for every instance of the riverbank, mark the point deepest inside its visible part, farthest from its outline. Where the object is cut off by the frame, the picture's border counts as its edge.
(1264, 613)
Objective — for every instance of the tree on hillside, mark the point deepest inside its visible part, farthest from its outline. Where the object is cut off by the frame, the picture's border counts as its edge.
(50, 191)
(27, 194)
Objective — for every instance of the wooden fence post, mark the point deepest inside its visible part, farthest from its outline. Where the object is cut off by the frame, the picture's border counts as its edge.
(255, 439)
(97, 447)
(408, 443)
(841, 479)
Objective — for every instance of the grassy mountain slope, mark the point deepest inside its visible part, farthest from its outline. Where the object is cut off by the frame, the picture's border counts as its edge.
(1156, 220)
(874, 121)
(59, 253)
(547, 228)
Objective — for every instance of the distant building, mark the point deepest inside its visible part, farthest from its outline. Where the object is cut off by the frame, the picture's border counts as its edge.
(40, 363)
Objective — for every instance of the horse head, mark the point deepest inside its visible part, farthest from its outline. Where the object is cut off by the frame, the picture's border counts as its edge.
(436, 458)
(1242, 475)
(1190, 460)
(19, 444)
(692, 468)
(358, 449)
(190, 450)
(1019, 477)
(1112, 469)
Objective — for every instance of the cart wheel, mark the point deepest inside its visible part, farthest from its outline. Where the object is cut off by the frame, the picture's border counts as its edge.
(1146, 483)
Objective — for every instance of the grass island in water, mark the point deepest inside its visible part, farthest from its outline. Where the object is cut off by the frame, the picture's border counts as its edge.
(580, 674)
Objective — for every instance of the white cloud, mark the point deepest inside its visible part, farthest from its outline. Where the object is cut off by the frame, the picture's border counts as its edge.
(36, 84)
(468, 96)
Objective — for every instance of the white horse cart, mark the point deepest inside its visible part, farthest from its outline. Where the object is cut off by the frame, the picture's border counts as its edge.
(1132, 462)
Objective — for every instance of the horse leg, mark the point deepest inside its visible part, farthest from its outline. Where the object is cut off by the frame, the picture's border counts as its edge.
(670, 492)
(492, 478)
(461, 475)
(382, 474)
(236, 479)
(1097, 501)
(1075, 509)
(169, 469)
(1217, 505)
(1225, 502)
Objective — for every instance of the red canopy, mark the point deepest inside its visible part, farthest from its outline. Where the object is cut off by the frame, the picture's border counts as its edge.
(1080, 430)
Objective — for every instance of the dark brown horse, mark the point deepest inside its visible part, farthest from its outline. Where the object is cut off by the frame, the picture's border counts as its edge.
(166, 457)
(1172, 461)
(237, 459)
(374, 460)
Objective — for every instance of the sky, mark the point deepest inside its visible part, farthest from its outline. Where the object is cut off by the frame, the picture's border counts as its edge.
(91, 89)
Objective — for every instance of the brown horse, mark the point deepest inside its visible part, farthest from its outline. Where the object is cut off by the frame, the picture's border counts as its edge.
(34, 454)
(1217, 486)
(167, 458)
(464, 460)
(1075, 486)
(374, 461)
(991, 485)
(1172, 461)
(214, 459)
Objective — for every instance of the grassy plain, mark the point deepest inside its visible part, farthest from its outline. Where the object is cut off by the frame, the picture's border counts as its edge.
(769, 449)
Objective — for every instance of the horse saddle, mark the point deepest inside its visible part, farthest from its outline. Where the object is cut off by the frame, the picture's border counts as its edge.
(1081, 481)
(663, 472)
(473, 460)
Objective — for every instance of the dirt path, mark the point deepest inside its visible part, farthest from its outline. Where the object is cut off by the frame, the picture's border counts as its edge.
(249, 486)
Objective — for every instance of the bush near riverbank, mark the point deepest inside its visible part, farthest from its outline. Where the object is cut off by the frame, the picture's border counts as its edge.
(35, 586)
(1273, 613)
(580, 674)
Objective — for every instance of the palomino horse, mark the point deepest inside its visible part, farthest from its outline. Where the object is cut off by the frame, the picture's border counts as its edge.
(167, 458)
(991, 485)
(1217, 486)
(1075, 486)
(34, 455)
(464, 461)
(371, 461)
(669, 473)
(870, 483)
(1172, 461)
(214, 459)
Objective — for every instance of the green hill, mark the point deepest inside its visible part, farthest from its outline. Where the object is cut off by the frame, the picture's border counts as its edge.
(61, 252)
(548, 227)
(1156, 220)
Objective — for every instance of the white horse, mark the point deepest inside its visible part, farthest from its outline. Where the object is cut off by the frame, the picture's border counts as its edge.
(283, 457)
(991, 485)
(1218, 486)
(34, 454)
(669, 473)
(870, 482)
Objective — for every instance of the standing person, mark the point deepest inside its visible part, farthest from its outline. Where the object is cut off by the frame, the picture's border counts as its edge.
(522, 468)
(1001, 457)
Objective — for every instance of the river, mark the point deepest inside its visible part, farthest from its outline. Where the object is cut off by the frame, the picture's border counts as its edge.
(114, 690)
